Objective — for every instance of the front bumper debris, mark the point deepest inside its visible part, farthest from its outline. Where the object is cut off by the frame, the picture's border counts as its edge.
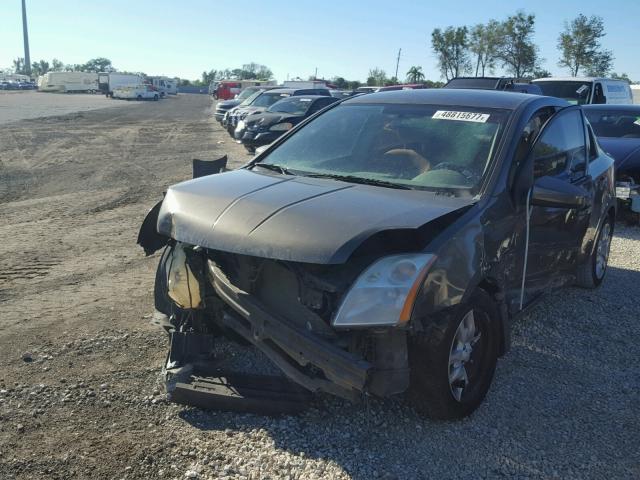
(294, 351)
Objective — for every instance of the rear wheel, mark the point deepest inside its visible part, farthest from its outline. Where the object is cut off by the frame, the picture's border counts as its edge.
(591, 273)
(453, 362)
(139, 97)
(155, 98)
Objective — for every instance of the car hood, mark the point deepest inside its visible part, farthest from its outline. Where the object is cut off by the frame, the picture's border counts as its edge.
(292, 218)
(625, 152)
(227, 104)
(268, 118)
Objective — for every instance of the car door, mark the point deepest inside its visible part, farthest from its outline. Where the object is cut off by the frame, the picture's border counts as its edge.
(556, 234)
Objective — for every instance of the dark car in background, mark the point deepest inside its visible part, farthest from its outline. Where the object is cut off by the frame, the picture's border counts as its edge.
(493, 83)
(259, 102)
(262, 129)
(386, 244)
(618, 130)
(223, 106)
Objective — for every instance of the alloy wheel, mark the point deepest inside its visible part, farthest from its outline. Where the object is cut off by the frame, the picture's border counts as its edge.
(602, 251)
(462, 356)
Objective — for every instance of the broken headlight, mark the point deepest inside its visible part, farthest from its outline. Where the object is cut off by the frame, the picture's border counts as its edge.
(383, 295)
(182, 285)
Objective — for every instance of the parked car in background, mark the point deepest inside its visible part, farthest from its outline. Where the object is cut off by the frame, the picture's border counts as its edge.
(493, 83)
(262, 101)
(282, 116)
(586, 90)
(68, 82)
(223, 106)
(228, 89)
(367, 89)
(618, 130)
(385, 245)
(108, 82)
(343, 93)
(138, 92)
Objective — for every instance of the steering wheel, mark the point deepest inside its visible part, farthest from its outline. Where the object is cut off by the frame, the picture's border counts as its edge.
(421, 164)
(456, 168)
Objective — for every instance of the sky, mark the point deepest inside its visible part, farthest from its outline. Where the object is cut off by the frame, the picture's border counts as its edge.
(293, 38)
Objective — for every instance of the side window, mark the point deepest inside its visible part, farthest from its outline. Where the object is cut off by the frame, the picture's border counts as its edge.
(592, 146)
(561, 148)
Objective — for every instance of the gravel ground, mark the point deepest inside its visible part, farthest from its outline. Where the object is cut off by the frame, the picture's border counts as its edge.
(80, 387)
(22, 105)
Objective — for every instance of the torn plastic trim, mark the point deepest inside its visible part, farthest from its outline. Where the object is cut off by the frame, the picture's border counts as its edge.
(148, 237)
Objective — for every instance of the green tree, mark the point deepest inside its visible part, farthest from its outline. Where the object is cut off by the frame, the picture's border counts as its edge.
(484, 41)
(377, 77)
(541, 73)
(56, 65)
(451, 47)
(39, 68)
(601, 65)
(340, 83)
(18, 66)
(415, 75)
(580, 46)
(622, 76)
(516, 50)
(96, 65)
(210, 76)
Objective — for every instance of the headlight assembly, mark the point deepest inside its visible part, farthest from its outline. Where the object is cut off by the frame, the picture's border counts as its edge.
(182, 285)
(281, 127)
(384, 294)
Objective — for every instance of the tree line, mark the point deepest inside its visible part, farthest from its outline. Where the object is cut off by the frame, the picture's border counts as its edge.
(41, 67)
(480, 49)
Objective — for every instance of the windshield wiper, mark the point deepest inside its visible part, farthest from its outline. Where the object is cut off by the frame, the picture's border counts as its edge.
(362, 180)
(273, 168)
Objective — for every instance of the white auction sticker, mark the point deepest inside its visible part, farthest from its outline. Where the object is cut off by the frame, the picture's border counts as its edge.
(462, 116)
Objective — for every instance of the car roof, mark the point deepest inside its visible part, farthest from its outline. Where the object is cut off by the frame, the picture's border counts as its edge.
(576, 79)
(312, 97)
(442, 96)
(292, 90)
(613, 107)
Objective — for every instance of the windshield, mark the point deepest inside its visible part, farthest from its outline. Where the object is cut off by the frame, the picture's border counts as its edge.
(615, 123)
(417, 146)
(268, 98)
(247, 101)
(247, 92)
(574, 92)
(293, 105)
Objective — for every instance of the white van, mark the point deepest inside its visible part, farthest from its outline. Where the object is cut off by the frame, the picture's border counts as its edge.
(584, 90)
(108, 82)
(635, 89)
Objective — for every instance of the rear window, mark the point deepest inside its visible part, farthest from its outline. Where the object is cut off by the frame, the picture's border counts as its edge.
(574, 92)
(615, 124)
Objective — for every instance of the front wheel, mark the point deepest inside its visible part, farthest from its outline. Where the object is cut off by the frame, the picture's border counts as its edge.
(453, 362)
(155, 98)
(591, 273)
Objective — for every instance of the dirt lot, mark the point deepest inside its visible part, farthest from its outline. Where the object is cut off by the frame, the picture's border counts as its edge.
(80, 387)
(22, 105)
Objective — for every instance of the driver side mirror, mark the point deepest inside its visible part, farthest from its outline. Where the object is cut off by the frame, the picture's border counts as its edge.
(552, 192)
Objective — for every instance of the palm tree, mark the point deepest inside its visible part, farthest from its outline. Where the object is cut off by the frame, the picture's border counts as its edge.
(415, 75)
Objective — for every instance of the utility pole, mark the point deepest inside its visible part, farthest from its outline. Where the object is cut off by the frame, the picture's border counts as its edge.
(25, 33)
(398, 63)
(315, 77)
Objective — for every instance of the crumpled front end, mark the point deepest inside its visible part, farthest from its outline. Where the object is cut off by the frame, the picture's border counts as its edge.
(285, 309)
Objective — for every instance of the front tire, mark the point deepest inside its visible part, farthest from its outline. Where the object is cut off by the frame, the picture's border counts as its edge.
(453, 361)
(592, 272)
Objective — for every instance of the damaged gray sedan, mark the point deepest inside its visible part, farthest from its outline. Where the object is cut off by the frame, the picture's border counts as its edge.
(385, 245)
